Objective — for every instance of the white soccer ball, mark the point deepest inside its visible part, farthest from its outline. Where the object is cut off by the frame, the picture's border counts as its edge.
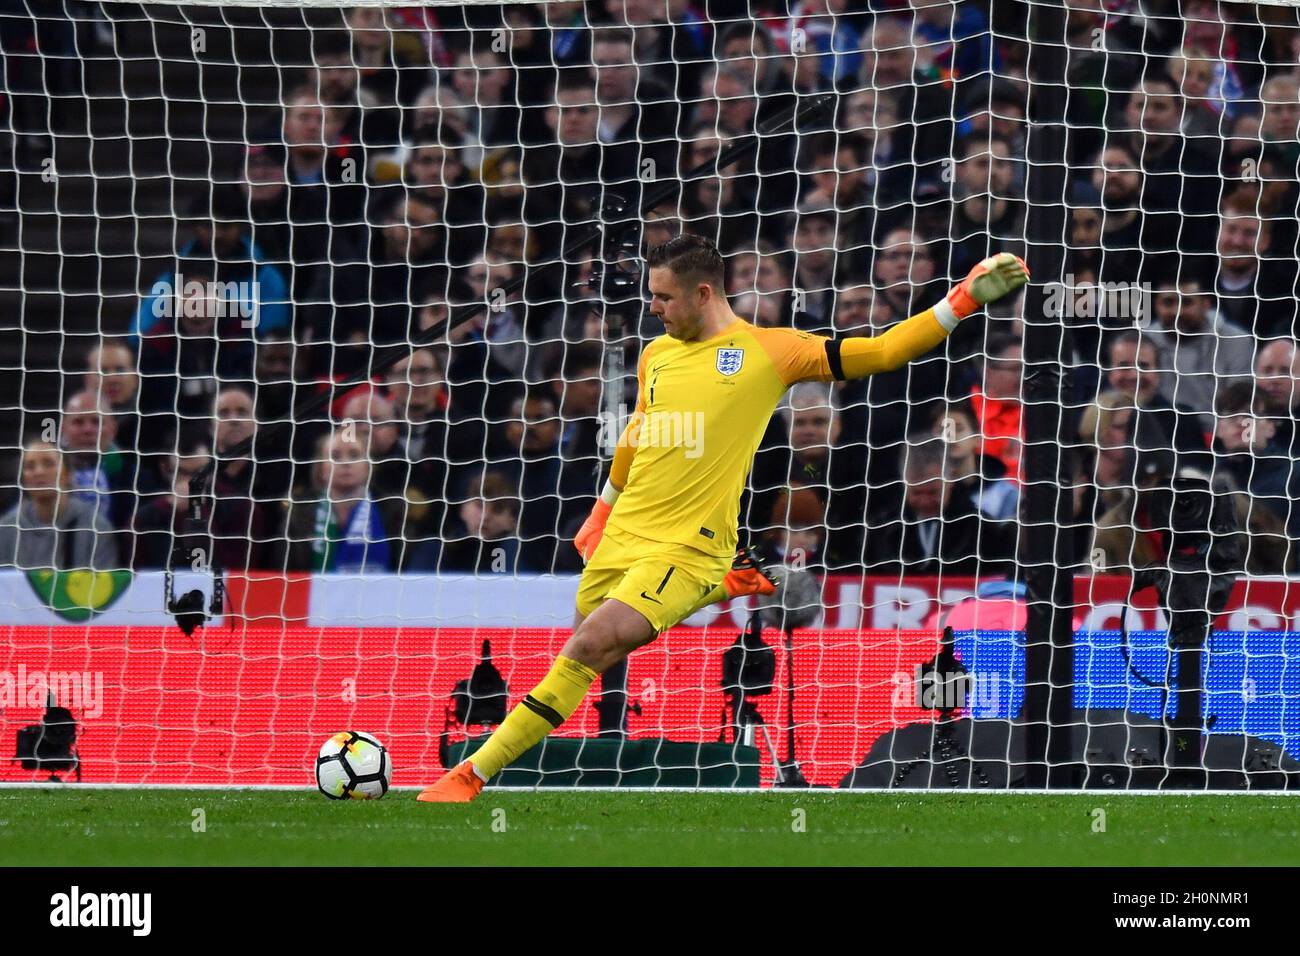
(353, 766)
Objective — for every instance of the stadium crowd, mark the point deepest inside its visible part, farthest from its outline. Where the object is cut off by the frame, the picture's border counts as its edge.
(426, 158)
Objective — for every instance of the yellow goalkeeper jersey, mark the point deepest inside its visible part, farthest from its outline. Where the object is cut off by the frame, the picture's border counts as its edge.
(702, 409)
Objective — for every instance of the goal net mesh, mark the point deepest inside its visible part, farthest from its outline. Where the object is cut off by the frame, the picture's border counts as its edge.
(250, 239)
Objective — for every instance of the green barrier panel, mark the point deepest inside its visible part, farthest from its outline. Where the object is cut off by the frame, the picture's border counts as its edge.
(643, 762)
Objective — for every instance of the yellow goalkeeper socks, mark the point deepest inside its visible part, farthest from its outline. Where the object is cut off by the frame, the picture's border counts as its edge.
(550, 704)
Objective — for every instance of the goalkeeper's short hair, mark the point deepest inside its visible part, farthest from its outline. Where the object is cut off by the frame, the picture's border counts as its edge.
(690, 256)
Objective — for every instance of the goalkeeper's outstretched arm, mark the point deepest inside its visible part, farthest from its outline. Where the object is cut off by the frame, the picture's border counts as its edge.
(989, 281)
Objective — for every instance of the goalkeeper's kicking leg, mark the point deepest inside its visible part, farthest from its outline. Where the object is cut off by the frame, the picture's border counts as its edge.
(649, 590)
(604, 638)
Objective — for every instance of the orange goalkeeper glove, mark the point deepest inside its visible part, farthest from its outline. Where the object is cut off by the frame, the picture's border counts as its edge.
(588, 537)
(989, 281)
(747, 575)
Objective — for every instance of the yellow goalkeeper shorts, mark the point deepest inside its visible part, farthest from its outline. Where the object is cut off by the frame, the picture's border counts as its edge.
(664, 582)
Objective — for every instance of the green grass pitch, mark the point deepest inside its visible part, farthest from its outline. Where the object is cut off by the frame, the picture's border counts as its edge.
(88, 827)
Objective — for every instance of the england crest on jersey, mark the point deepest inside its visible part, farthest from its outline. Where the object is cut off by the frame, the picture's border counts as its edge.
(730, 360)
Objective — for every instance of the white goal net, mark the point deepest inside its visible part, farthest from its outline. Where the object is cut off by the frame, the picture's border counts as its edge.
(373, 274)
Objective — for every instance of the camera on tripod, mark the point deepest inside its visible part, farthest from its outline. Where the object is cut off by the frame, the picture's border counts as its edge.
(749, 665)
(943, 683)
(616, 276)
(1204, 548)
(1204, 557)
(748, 671)
(619, 287)
(477, 701)
(50, 746)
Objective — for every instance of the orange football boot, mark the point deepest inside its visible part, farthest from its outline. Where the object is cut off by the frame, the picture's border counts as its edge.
(460, 784)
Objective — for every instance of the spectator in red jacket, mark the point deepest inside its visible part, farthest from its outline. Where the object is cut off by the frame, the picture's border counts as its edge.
(997, 404)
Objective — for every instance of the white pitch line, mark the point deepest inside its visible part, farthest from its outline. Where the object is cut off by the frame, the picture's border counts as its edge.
(848, 792)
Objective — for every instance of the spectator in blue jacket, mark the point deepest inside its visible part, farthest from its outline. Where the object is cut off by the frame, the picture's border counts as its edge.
(255, 289)
(956, 40)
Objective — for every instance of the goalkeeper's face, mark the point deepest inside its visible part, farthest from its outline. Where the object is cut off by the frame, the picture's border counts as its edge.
(676, 305)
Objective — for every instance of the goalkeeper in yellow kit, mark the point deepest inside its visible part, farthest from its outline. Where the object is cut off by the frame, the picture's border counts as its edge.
(660, 540)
